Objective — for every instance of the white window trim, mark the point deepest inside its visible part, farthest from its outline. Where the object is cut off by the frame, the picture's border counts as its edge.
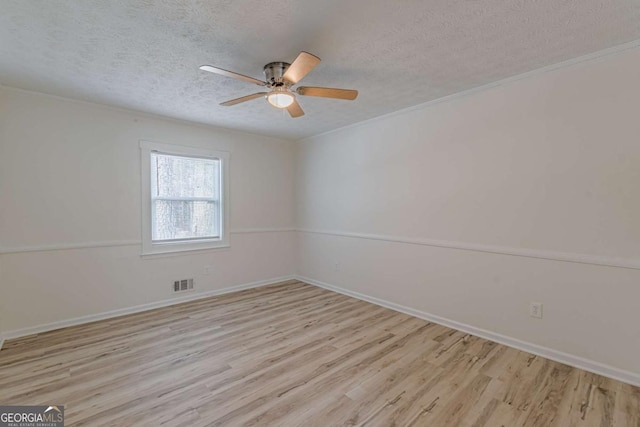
(148, 247)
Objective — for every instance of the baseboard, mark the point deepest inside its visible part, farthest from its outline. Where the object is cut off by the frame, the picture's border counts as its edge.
(17, 333)
(555, 355)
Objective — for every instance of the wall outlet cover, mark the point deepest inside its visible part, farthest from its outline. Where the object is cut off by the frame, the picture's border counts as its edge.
(535, 310)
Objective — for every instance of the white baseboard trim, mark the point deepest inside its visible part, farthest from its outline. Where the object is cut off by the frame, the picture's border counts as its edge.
(555, 355)
(17, 333)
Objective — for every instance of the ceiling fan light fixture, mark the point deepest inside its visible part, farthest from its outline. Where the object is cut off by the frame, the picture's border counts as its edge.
(280, 99)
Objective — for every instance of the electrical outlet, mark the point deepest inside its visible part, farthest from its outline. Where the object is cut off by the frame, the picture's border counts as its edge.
(207, 270)
(336, 266)
(535, 310)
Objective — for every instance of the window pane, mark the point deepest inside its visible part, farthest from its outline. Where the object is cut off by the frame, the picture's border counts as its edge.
(179, 219)
(186, 177)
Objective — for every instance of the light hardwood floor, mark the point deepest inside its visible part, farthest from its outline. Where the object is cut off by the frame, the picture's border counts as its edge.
(292, 354)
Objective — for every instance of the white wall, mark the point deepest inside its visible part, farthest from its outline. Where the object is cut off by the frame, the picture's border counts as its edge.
(543, 167)
(70, 177)
(421, 208)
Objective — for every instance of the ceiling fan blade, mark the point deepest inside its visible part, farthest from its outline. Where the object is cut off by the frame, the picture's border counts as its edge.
(303, 64)
(243, 99)
(295, 110)
(226, 73)
(328, 92)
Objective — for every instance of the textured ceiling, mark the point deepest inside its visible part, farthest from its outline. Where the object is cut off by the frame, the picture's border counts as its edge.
(144, 54)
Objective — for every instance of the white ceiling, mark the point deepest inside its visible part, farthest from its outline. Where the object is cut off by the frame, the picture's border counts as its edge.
(144, 54)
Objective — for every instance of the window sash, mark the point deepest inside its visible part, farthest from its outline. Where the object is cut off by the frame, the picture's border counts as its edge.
(154, 176)
(152, 247)
(217, 207)
(155, 197)
(186, 240)
(185, 199)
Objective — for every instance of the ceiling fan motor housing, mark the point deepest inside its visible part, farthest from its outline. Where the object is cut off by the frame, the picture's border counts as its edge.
(273, 73)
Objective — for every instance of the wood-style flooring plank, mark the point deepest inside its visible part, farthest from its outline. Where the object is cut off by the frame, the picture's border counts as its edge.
(291, 354)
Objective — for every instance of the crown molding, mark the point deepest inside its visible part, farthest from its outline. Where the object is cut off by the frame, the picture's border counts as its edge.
(591, 57)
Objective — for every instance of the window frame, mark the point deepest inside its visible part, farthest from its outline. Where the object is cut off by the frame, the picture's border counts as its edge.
(148, 246)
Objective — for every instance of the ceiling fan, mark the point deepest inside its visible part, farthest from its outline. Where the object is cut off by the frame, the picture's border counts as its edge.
(280, 77)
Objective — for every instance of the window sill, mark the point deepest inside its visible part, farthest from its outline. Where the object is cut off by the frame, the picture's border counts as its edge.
(172, 250)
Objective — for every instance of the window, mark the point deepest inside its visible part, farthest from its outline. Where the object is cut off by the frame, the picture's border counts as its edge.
(184, 198)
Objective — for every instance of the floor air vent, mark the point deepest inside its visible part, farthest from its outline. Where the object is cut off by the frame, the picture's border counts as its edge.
(183, 285)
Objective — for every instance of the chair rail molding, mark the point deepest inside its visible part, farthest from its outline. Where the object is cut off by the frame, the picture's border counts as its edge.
(478, 247)
(113, 243)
